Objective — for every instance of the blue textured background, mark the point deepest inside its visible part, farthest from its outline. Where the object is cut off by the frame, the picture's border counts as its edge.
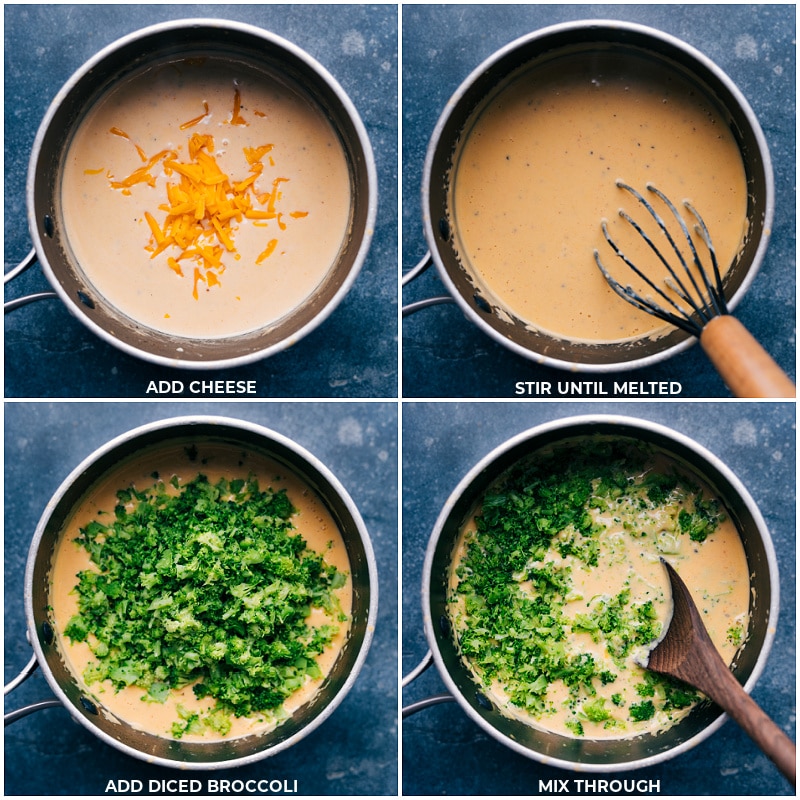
(444, 354)
(444, 752)
(49, 353)
(354, 752)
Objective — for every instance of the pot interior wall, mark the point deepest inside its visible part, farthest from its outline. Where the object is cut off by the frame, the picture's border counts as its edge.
(589, 754)
(147, 746)
(221, 42)
(481, 305)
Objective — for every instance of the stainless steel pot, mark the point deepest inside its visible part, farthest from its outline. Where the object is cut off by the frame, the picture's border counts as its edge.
(588, 755)
(237, 435)
(524, 55)
(230, 40)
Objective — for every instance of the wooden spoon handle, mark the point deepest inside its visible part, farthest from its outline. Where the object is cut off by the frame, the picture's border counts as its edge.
(744, 365)
(729, 695)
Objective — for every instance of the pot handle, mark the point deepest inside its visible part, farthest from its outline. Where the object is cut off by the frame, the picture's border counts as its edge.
(26, 262)
(428, 701)
(19, 713)
(426, 261)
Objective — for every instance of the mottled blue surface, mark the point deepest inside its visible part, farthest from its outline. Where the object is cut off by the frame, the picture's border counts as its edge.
(354, 752)
(444, 354)
(444, 752)
(49, 353)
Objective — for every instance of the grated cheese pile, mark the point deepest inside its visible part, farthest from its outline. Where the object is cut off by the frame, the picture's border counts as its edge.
(204, 206)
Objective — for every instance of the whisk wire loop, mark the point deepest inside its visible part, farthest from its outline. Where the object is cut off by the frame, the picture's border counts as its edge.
(674, 282)
(627, 292)
(716, 292)
(703, 230)
(705, 299)
(682, 291)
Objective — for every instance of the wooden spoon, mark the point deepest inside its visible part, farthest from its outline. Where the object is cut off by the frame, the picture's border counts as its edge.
(686, 652)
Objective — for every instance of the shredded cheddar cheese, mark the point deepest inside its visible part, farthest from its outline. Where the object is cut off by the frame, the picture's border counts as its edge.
(204, 206)
(237, 118)
(194, 121)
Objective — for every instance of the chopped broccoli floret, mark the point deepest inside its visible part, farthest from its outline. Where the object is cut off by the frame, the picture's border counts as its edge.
(596, 710)
(575, 726)
(679, 695)
(642, 711)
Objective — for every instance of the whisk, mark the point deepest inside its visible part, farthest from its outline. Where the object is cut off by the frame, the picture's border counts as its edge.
(696, 303)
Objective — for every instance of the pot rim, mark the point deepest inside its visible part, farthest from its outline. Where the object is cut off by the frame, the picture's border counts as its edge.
(369, 167)
(268, 437)
(627, 426)
(429, 180)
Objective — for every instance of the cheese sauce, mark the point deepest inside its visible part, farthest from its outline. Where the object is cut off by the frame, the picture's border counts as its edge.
(312, 521)
(630, 548)
(158, 111)
(537, 170)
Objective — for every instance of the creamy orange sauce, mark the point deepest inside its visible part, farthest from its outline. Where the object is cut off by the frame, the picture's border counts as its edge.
(715, 571)
(275, 264)
(312, 521)
(537, 170)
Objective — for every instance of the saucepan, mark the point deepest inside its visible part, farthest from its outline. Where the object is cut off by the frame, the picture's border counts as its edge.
(523, 57)
(238, 436)
(191, 39)
(585, 754)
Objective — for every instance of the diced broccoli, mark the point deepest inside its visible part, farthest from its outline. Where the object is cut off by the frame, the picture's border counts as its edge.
(735, 635)
(516, 618)
(679, 695)
(211, 586)
(595, 710)
(640, 712)
(575, 726)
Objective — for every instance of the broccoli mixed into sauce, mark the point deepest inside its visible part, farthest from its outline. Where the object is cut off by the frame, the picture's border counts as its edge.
(209, 586)
(557, 589)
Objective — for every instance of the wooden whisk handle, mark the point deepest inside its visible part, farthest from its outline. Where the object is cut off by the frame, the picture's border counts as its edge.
(744, 365)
